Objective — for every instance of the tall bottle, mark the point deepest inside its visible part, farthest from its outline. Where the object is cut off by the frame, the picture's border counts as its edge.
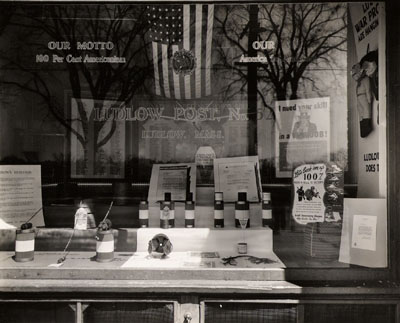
(267, 220)
(189, 211)
(219, 210)
(242, 210)
(167, 212)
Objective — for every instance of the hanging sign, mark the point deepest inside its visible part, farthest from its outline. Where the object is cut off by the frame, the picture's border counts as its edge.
(318, 193)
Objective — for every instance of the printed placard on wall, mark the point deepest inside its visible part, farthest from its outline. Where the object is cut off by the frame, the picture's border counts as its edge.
(97, 139)
(318, 193)
(308, 182)
(20, 195)
(364, 233)
(302, 133)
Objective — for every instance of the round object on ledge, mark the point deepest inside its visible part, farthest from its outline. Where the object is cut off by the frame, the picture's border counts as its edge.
(160, 246)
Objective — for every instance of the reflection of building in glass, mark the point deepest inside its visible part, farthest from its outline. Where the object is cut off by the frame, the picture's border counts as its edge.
(236, 135)
(157, 145)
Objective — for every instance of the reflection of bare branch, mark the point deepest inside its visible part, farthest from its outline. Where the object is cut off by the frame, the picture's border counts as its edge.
(304, 35)
(105, 81)
(106, 138)
(50, 105)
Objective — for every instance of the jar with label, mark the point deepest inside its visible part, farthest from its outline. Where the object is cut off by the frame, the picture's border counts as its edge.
(242, 211)
(219, 210)
(267, 220)
(167, 212)
(189, 211)
(144, 214)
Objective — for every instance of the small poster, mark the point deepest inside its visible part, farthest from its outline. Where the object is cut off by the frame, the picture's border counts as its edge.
(302, 133)
(364, 232)
(177, 179)
(318, 193)
(238, 174)
(20, 195)
(308, 182)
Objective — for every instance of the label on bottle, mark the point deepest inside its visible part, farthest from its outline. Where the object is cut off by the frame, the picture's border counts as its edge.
(189, 214)
(219, 214)
(242, 214)
(143, 214)
(267, 214)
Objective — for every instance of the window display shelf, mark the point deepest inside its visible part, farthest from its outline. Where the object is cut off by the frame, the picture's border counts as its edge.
(197, 252)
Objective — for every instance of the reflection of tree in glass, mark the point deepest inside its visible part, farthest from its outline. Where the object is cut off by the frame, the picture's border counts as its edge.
(305, 36)
(32, 27)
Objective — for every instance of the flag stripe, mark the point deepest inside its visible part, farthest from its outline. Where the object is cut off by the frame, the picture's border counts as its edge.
(193, 47)
(204, 51)
(177, 89)
(208, 49)
(156, 74)
(164, 50)
(198, 47)
(186, 45)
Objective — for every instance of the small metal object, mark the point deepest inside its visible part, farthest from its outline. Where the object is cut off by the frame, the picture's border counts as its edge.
(160, 246)
(242, 248)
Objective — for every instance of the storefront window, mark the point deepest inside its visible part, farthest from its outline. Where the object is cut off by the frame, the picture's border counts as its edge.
(97, 94)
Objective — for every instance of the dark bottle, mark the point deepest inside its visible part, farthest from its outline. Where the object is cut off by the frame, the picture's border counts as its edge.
(219, 210)
(167, 212)
(242, 210)
(189, 211)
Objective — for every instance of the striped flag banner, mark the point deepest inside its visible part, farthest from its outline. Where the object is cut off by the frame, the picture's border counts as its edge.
(181, 37)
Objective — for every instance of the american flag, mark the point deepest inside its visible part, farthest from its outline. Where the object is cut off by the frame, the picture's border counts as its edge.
(184, 29)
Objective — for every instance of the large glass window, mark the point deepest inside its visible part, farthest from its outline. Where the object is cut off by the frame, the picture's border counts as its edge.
(99, 93)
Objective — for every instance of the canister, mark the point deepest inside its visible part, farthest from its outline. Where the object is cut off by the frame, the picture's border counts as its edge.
(25, 245)
(104, 246)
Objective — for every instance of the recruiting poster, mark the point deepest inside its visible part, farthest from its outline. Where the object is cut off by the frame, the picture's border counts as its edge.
(367, 71)
(318, 193)
(97, 139)
(302, 133)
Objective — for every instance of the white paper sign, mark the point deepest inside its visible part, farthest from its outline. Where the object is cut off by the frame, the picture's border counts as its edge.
(20, 195)
(364, 232)
(173, 178)
(238, 174)
(366, 243)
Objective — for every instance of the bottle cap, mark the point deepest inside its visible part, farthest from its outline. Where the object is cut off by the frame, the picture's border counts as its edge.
(266, 196)
(167, 196)
(242, 196)
(189, 196)
(219, 196)
(26, 226)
